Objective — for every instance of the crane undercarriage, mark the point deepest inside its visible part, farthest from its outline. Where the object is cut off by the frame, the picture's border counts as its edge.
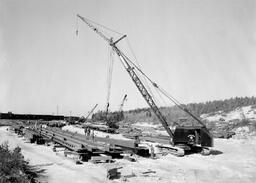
(185, 140)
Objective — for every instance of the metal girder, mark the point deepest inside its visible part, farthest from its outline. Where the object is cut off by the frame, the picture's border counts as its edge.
(78, 142)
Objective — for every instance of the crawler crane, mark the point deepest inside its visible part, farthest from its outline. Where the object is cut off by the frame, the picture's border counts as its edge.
(181, 138)
(122, 104)
(84, 119)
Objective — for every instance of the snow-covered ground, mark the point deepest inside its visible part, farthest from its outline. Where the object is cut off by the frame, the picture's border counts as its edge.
(240, 113)
(146, 124)
(232, 160)
(58, 168)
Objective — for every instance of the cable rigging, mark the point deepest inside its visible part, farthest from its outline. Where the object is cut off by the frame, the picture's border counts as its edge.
(135, 68)
(109, 77)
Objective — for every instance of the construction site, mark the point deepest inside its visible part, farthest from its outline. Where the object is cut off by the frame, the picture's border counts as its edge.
(136, 130)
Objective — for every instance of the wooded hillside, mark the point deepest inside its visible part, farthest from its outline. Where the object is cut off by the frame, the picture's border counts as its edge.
(173, 113)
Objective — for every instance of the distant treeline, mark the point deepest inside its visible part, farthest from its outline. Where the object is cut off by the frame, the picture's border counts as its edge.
(172, 114)
(111, 116)
(175, 114)
(221, 105)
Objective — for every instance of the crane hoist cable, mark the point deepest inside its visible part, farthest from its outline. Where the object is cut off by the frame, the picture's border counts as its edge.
(109, 76)
(77, 26)
(91, 24)
(103, 26)
(145, 79)
(161, 97)
(138, 73)
(175, 101)
(165, 93)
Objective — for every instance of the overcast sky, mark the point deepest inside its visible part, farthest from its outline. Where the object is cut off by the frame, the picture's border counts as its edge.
(198, 50)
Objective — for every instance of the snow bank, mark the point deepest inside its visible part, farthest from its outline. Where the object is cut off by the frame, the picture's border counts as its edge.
(240, 113)
(145, 124)
(58, 168)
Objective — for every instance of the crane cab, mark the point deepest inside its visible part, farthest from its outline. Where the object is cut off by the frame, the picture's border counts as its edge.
(192, 136)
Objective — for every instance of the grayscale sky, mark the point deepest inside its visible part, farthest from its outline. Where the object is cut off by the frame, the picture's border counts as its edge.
(198, 50)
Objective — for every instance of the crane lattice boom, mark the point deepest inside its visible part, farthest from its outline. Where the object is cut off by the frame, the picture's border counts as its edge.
(94, 29)
(124, 59)
(148, 98)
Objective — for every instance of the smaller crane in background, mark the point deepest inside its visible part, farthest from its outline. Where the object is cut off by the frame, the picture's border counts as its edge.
(122, 104)
(84, 119)
(90, 112)
(114, 117)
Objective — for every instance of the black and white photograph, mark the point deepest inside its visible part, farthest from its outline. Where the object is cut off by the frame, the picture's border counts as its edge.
(136, 91)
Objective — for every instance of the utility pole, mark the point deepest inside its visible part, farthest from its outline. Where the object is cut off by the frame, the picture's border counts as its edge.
(57, 110)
